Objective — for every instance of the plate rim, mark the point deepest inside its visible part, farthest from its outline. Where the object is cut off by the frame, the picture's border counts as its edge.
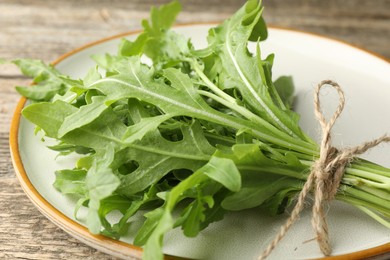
(115, 247)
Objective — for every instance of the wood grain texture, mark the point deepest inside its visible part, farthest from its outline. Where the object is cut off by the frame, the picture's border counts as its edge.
(45, 29)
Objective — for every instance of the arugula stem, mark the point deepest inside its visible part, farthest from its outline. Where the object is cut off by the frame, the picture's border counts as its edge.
(377, 192)
(285, 171)
(239, 109)
(358, 202)
(211, 85)
(365, 185)
(357, 175)
(220, 138)
(360, 181)
(373, 200)
(372, 167)
(274, 152)
(368, 175)
(374, 216)
(282, 139)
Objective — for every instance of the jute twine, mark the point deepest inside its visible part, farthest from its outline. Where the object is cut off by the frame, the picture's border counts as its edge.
(325, 176)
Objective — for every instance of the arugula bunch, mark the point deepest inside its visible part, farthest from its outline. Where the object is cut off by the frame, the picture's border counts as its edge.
(191, 135)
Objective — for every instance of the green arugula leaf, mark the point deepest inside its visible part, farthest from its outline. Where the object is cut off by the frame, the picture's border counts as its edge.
(152, 219)
(162, 18)
(85, 115)
(92, 76)
(65, 149)
(237, 67)
(157, 156)
(195, 214)
(156, 40)
(48, 116)
(163, 221)
(281, 200)
(37, 69)
(100, 182)
(285, 87)
(46, 77)
(129, 48)
(257, 192)
(71, 181)
(137, 131)
(40, 92)
(226, 174)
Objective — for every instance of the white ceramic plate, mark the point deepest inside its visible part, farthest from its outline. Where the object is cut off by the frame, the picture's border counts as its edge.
(309, 59)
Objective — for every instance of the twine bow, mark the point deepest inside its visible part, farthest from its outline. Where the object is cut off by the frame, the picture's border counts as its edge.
(325, 176)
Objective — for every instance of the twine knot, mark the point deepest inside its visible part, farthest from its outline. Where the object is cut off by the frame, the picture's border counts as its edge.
(325, 176)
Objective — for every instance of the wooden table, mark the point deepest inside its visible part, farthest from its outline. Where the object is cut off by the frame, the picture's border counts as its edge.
(45, 29)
